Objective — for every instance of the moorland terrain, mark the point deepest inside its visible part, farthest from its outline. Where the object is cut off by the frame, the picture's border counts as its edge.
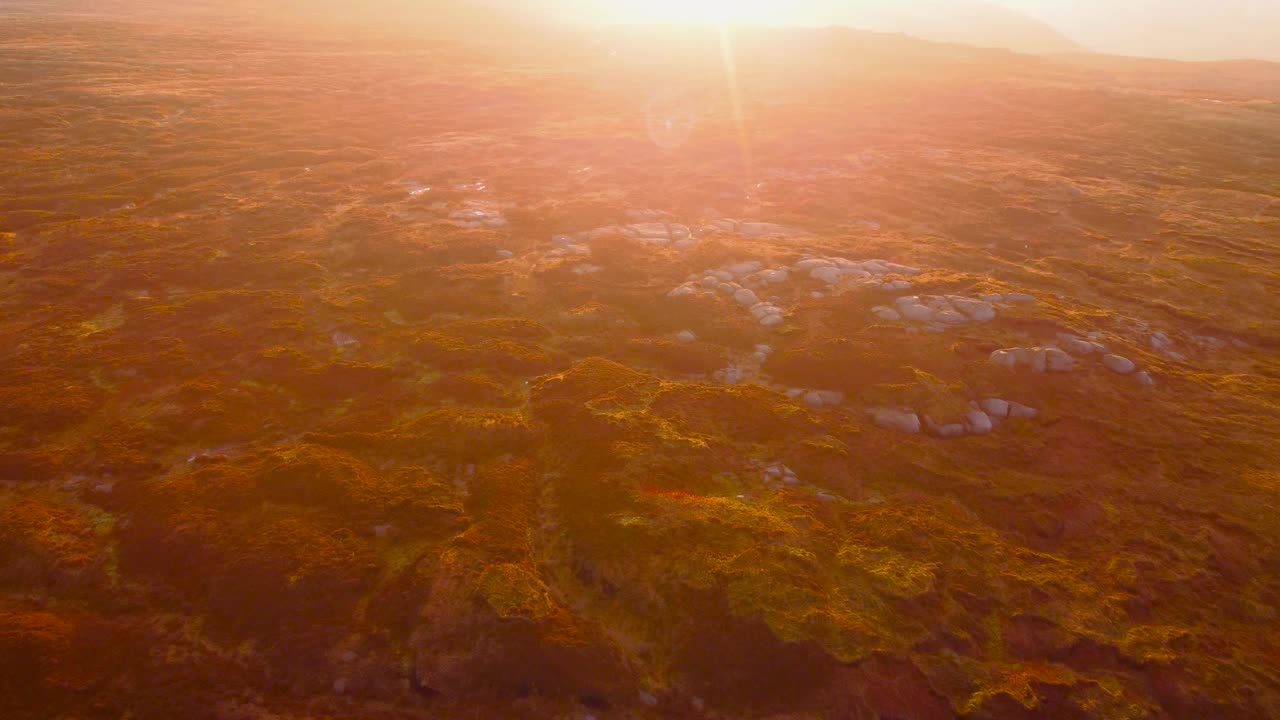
(358, 374)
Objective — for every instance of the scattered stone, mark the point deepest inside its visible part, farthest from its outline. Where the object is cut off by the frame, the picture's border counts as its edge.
(1038, 359)
(823, 398)
(1018, 410)
(829, 275)
(586, 269)
(1039, 362)
(826, 497)
(643, 214)
(939, 312)
(1144, 379)
(977, 422)
(506, 254)
(1019, 298)
(1077, 345)
(752, 230)
(742, 269)
(647, 699)
(1058, 361)
(746, 297)
(342, 339)
(734, 374)
(895, 286)
(943, 430)
(977, 310)
(772, 321)
(1005, 358)
(886, 313)
(1117, 364)
(813, 264)
(477, 218)
(918, 313)
(686, 336)
(995, 407)
(682, 291)
(1161, 341)
(899, 420)
(340, 685)
(381, 530)
(648, 231)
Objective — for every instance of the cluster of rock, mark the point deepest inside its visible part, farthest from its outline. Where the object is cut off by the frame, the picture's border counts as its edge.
(937, 312)
(652, 227)
(475, 217)
(1009, 299)
(740, 281)
(1163, 344)
(981, 418)
(1082, 346)
(659, 233)
(748, 230)
(779, 474)
(566, 246)
(1053, 359)
(838, 271)
(1125, 366)
(817, 399)
(742, 371)
(1039, 359)
(649, 227)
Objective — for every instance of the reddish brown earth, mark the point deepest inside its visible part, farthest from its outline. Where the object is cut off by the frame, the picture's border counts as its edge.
(280, 439)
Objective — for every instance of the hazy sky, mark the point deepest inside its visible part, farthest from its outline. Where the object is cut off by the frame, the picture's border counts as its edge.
(1190, 29)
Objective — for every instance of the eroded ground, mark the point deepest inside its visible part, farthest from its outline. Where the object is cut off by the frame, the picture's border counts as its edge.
(354, 377)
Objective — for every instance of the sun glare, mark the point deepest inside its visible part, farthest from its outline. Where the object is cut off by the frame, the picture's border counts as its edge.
(702, 12)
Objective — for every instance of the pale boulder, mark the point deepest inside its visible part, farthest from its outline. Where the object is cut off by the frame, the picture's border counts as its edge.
(995, 407)
(1117, 364)
(977, 422)
(899, 420)
(1058, 361)
(1020, 411)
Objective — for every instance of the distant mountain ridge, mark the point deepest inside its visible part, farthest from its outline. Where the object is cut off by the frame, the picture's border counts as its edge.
(972, 22)
(1175, 29)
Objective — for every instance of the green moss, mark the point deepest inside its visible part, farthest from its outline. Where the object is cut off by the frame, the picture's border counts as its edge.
(1151, 643)
(513, 592)
(891, 572)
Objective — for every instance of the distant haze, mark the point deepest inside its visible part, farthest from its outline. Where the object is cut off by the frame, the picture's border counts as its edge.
(1177, 29)
(1181, 29)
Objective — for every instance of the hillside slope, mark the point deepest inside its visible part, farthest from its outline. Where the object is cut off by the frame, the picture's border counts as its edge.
(358, 375)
